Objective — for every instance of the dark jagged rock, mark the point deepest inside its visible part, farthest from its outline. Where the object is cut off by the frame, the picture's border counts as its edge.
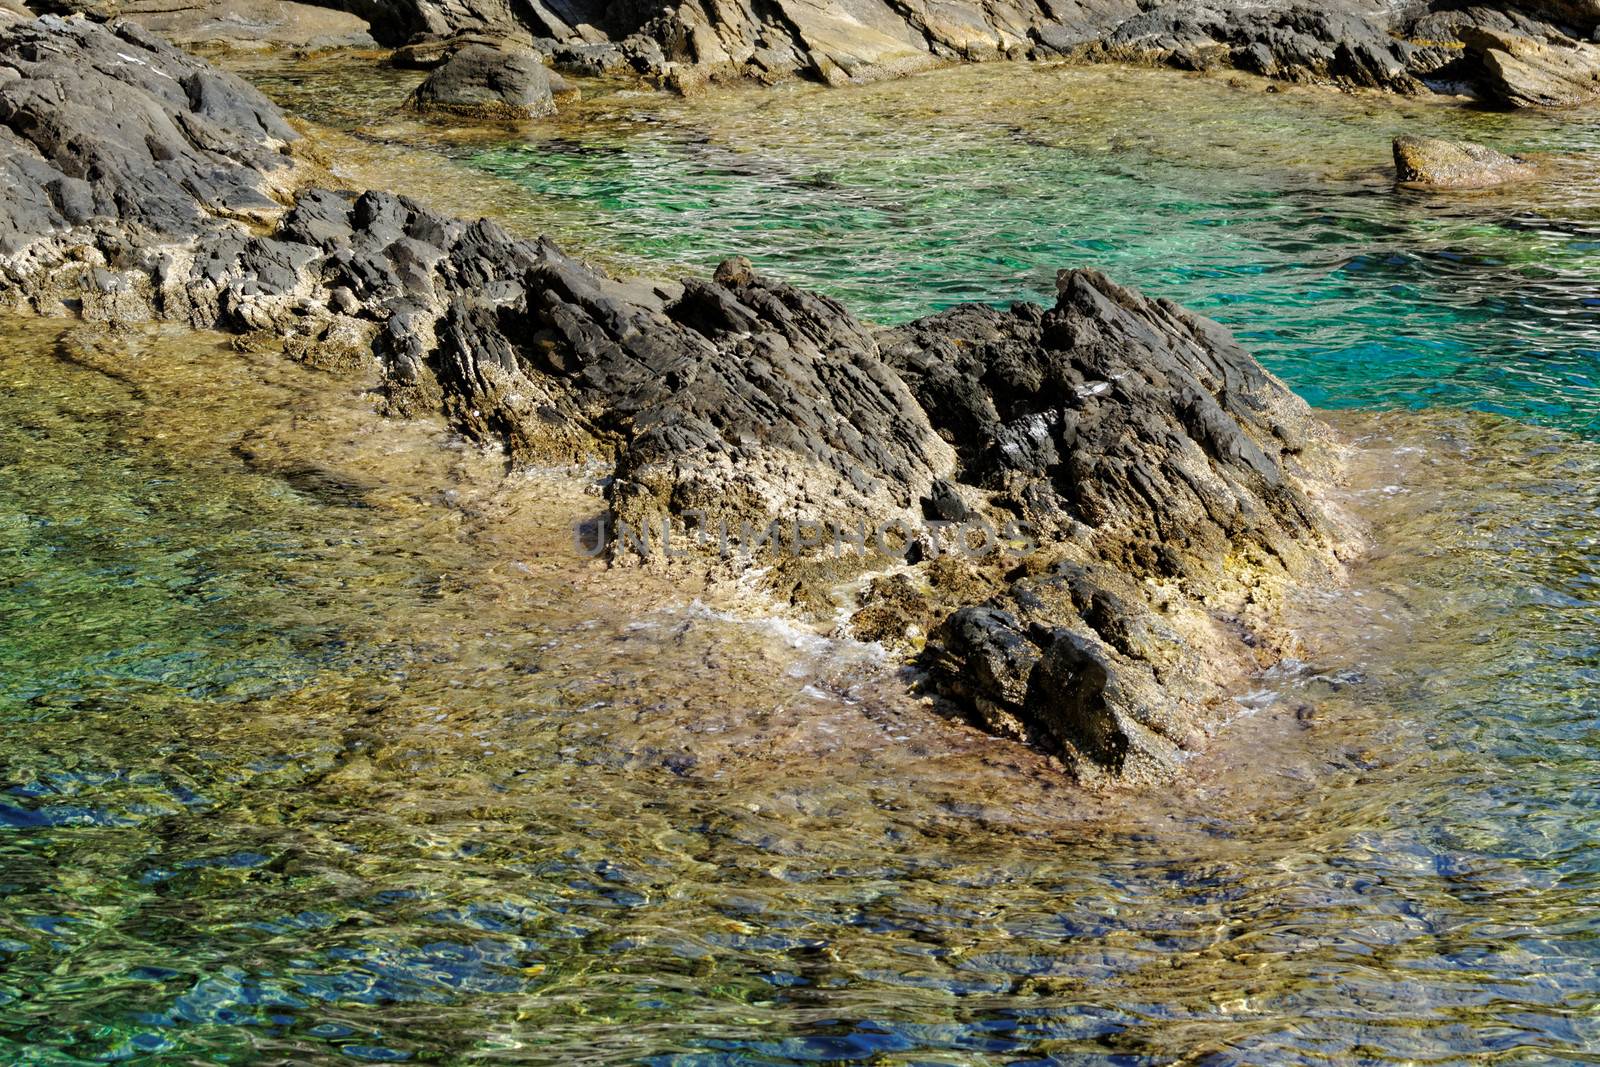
(1169, 482)
(1160, 468)
(496, 82)
(116, 126)
(1346, 44)
(1433, 163)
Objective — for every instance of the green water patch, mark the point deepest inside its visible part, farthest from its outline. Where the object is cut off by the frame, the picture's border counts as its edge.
(1273, 212)
(1269, 212)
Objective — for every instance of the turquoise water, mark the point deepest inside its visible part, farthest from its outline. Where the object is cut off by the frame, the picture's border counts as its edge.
(320, 747)
(1265, 211)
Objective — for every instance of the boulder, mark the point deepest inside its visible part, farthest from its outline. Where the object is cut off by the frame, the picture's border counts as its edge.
(1434, 163)
(484, 81)
(1528, 71)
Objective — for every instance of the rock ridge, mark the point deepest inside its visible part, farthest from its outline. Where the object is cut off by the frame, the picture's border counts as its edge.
(1171, 488)
(1538, 51)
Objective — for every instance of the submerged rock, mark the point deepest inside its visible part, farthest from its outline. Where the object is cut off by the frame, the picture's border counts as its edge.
(485, 81)
(1167, 487)
(1439, 164)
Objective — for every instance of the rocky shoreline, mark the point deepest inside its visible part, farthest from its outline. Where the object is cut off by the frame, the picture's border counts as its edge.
(1528, 53)
(1170, 491)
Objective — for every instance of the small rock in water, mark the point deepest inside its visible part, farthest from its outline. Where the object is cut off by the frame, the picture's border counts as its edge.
(482, 81)
(1439, 164)
(736, 270)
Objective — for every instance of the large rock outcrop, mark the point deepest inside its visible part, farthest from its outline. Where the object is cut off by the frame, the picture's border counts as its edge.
(1168, 484)
(1390, 44)
(1538, 69)
(1165, 476)
(111, 130)
(1524, 53)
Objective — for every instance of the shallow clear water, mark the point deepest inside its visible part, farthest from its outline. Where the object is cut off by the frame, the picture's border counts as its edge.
(320, 745)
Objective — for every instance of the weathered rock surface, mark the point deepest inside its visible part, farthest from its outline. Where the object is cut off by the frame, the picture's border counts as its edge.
(1169, 482)
(488, 81)
(1164, 475)
(1535, 70)
(117, 127)
(1439, 164)
(240, 25)
(1528, 53)
(1401, 45)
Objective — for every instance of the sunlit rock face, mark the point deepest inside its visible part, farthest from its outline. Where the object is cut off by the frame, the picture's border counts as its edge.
(1537, 56)
(1525, 54)
(1434, 163)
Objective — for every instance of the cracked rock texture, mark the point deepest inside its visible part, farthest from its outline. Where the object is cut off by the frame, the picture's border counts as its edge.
(1170, 483)
(1172, 486)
